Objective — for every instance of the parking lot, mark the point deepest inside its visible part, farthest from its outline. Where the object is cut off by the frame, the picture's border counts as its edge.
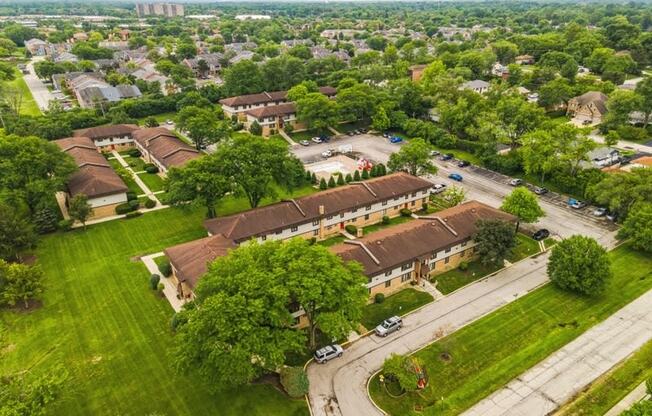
(480, 184)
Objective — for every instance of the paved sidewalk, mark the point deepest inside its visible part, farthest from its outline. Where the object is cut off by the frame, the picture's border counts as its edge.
(136, 178)
(39, 90)
(551, 383)
(634, 396)
(169, 290)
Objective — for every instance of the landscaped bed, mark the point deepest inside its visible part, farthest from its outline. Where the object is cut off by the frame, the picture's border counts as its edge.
(399, 303)
(485, 355)
(609, 389)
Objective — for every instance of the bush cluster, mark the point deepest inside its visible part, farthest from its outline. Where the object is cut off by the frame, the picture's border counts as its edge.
(351, 229)
(295, 381)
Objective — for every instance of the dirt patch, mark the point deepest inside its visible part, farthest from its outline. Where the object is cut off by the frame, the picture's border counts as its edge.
(445, 357)
(572, 323)
(7, 349)
(29, 259)
(32, 305)
(96, 359)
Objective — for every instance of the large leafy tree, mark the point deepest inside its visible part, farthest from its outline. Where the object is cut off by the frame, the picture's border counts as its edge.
(621, 191)
(517, 117)
(317, 111)
(254, 166)
(638, 226)
(331, 293)
(580, 264)
(19, 283)
(413, 157)
(203, 126)
(355, 102)
(16, 231)
(494, 240)
(524, 205)
(79, 209)
(539, 151)
(25, 395)
(644, 91)
(32, 169)
(243, 77)
(201, 182)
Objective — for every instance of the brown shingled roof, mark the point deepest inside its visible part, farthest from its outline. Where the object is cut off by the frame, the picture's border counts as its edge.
(267, 97)
(190, 260)
(272, 111)
(394, 246)
(165, 147)
(95, 176)
(108, 130)
(268, 219)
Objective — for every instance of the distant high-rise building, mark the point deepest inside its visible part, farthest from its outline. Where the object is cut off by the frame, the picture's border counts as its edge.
(159, 9)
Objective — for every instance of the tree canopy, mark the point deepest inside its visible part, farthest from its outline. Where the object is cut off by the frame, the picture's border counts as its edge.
(580, 264)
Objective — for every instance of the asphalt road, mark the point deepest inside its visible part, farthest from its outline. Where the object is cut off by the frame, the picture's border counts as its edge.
(38, 89)
(339, 387)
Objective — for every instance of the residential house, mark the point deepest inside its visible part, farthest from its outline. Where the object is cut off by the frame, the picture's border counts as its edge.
(95, 178)
(416, 72)
(588, 108)
(340, 33)
(240, 46)
(238, 105)
(288, 44)
(274, 118)
(79, 37)
(212, 61)
(163, 148)
(602, 157)
(499, 70)
(109, 137)
(476, 85)
(65, 57)
(524, 60)
(116, 45)
(36, 47)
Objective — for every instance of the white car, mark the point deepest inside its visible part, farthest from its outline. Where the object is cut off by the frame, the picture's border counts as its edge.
(316, 140)
(326, 154)
(437, 188)
(327, 353)
(169, 122)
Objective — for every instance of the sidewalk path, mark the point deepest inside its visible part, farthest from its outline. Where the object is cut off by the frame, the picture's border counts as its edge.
(169, 290)
(136, 178)
(551, 383)
(634, 396)
(287, 138)
(39, 90)
(622, 144)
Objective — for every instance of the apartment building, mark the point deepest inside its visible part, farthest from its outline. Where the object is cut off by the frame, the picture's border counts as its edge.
(274, 118)
(109, 137)
(159, 9)
(163, 148)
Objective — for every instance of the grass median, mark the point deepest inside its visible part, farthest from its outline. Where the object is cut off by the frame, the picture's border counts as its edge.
(480, 358)
(399, 303)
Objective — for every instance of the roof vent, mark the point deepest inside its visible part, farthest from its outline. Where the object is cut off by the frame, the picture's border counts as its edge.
(379, 242)
(473, 210)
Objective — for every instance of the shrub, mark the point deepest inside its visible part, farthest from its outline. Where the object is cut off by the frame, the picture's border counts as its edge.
(365, 174)
(424, 207)
(150, 203)
(295, 381)
(406, 212)
(133, 214)
(351, 229)
(322, 184)
(313, 178)
(45, 220)
(356, 175)
(160, 288)
(331, 183)
(463, 266)
(385, 220)
(65, 225)
(348, 178)
(340, 180)
(154, 281)
(379, 298)
(134, 153)
(312, 241)
(177, 319)
(123, 208)
(134, 204)
(165, 268)
(131, 196)
(150, 168)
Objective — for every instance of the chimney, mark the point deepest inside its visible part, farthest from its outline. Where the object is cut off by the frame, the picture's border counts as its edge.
(321, 210)
(359, 232)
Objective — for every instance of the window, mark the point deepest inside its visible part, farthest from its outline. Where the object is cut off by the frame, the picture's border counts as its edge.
(448, 250)
(263, 237)
(316, 222)
(342, 215)
(434, 256)
(293, 229)
(406, 266)
(462, 254)
(388, 273)
(315, 233)
(463, 244)
(368, 207)
(413, 203)
(354, 210)
(414, 194)
(384, 203)
(279, 231)
(388, 283)
(396, 199)
(405, 277)
(446, 260)
(330, 217)
(366, 217)
(384, 212)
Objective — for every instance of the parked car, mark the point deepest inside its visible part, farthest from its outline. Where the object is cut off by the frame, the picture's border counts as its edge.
(456, 177)
(169, 122)
(438, 188)
(575, 204)
(600, 212)
(463, 164)
(388, 326)
(516, 182)
(434, 153)
(541, 234)
(351, 133)
(611, 216)
(386, 135)
(540, 190)
(447, 156)
(325, 139)
(304, 143)
(316, 140)
(327, 353)
(395, 139)
(327, 153)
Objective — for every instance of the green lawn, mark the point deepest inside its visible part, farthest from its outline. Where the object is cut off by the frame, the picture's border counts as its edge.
(332, 241)
(525, 247)
(100, 321)
(133, 186)
(152, 180)
(609, 389)
(399, 303)
(135, 163)
(114, 163)
(29, 106)
(454, 279)
(486, 355)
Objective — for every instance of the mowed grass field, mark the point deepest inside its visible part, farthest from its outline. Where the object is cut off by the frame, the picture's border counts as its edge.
(28, 106)
(479, 359)
(111, 333)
